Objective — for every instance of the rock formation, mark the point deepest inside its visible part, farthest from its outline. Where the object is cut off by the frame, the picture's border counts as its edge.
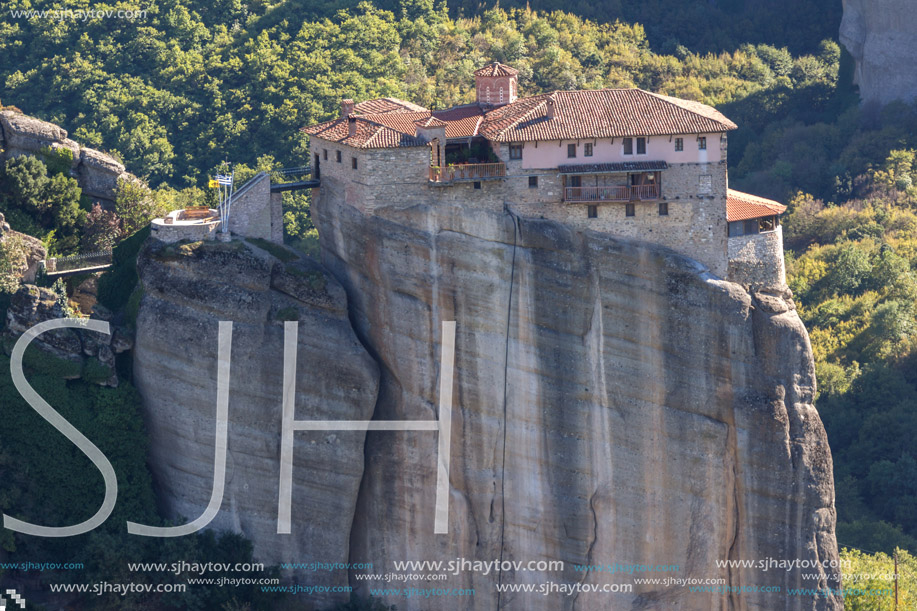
(86, 354)
(614, 403)
(187, 291)
(33, 251)
(96, 172)
(881, 35)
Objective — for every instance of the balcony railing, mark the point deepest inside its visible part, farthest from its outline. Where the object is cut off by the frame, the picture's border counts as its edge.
(611, 194)
(467, 171)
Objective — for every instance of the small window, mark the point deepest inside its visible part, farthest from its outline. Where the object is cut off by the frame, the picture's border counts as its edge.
(515, 151)
(751, 227)
(587, 149)
(592, 211)
(629, 210)
(663, 208)
(325, 155)
(533, 182)
(628, 146)
(736, 229)
(477, 185)
(571, 150)
(338, 156)
(641, 146)
(679, 144)
(702, 143)
(353, 163)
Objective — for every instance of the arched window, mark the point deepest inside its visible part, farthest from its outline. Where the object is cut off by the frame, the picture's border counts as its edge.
(501, 95)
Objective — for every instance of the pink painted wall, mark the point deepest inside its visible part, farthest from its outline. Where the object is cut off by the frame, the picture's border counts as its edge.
(658, 148)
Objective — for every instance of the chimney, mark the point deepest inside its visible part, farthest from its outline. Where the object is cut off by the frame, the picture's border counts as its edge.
(550, 107)
(351, 126)
(346, 107)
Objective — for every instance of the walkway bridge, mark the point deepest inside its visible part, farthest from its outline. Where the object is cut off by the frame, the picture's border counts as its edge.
(308, 183)
(84, 263)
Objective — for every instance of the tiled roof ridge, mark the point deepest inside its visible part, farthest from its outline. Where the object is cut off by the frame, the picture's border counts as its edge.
(684, 105)
(506, 110)
(755, 199)
(496, 68)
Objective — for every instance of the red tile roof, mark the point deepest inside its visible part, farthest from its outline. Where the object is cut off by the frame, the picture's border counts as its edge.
(386, 105)
(430, 121)
(463, 121)
(743, 206)
(368, 135)
(460, 122)
(496, 69)
(603, 113)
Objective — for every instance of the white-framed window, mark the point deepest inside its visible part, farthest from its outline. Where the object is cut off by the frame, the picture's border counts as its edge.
(679, 144)
(587, 149)
(571, 150)
(641, 146)
(628, 146)
(515, 151)
(702, 143)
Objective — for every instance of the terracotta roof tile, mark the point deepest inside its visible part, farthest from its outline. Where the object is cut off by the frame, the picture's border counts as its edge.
(743, 206)
(368, 135)
(430, 121)
(496, 69)
(386, 105)
(603, 113)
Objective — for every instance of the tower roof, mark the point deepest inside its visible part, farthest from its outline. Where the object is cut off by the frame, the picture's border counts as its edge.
(496, 69)
(743, 206)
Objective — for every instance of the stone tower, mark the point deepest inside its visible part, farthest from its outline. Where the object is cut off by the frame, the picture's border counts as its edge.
(496, 84)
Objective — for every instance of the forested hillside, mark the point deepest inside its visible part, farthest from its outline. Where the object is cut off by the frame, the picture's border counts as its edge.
(190, 85)
(195, 83)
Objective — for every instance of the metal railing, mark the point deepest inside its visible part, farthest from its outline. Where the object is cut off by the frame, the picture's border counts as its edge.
(75, 262)
(467, 171)
(611, 193)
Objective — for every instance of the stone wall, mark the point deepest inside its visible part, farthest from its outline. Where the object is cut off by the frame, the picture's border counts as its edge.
(97, 173)
(756, 261)
(399, 178)
(253, 212)
(192, 232)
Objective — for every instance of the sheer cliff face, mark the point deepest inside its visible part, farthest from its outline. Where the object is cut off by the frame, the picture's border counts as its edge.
(187, 292)
(612, 405)
(881, 35)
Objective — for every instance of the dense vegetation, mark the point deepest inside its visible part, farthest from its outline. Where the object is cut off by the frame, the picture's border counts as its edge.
(193, 84)
(47, 480)
(189, 86)
(703, 25)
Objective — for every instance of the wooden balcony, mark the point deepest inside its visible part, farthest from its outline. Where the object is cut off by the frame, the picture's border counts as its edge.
(467, 172)
(588, 195)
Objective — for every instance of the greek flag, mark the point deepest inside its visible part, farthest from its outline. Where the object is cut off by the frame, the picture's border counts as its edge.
(224, 179)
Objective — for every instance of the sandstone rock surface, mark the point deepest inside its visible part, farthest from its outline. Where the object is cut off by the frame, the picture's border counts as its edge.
(33, 250)
(187, 291)
(91, 355)
(613, 403)
(881, 35)
(96, 172)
